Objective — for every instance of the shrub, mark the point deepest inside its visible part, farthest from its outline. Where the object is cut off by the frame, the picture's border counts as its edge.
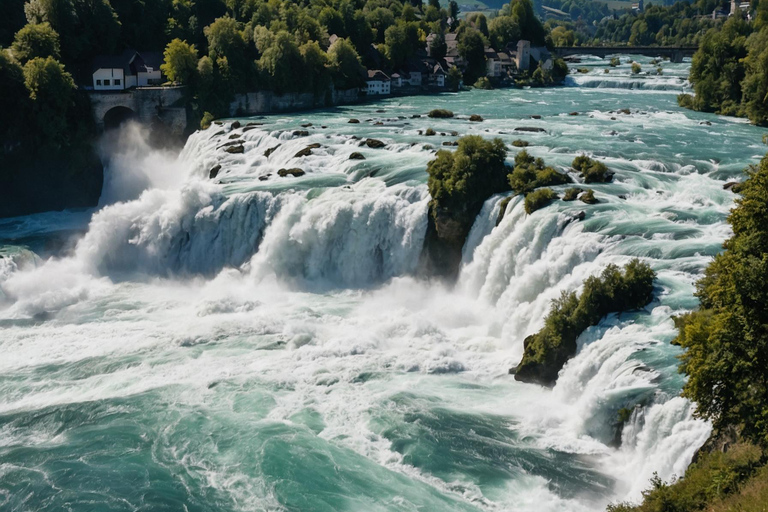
(572, 193)
(591, 170)
(206, 121)
(539, 199)
(615, 62)
(462, 180)
(530, 173)
(483, 83)
(429, 132)
(636, 68)
(547, 351)
(588, 197)
(440, 113)
(520, 143)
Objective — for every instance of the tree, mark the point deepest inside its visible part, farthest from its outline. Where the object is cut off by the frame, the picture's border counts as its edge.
(453, 10)
(280, 62)
(380, 20)
(438, 46)
(503, 30)
(14, 99)
(180, 61)
(36, 40)
(315, 64)
(454, 78)
(226, 47)
(346, 69)
(726, 341)
(472, 48)
(51, 89)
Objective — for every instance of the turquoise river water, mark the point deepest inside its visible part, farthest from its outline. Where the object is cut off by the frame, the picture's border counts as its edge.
(263, 343)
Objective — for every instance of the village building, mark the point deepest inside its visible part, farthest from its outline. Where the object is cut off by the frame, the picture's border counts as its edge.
(378, 83)
(128, 70)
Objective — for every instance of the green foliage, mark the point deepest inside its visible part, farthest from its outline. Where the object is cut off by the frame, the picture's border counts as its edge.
(14, 98)
(726, 342)
(180, 61)
(280, 62)
(615, 62)
(714, 476)
(454, 78)
(572, 193)
(463, 179)
(593, 171)
(530, 173)
(344, 62)
(588, 197)
(636, 68)
(206, 121)
(483, 83)
(519, 143)
(51, 89)
(440, 113)
(36, 40)
(472, 48)
(613, 291)
(539, 199)
(503, 30)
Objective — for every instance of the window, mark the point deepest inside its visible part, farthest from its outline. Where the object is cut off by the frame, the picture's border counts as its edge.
(106, 82)
(117, 82)
(98, 82)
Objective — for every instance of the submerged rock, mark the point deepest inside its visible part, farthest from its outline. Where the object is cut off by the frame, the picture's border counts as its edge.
(235, 150)
(531, 129)
(300, 133)
(214, 172)
(307, 150)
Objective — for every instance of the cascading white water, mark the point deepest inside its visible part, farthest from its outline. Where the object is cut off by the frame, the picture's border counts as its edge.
(266, 342)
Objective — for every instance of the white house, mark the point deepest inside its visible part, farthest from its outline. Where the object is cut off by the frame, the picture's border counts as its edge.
(131, 69)
(378, 82)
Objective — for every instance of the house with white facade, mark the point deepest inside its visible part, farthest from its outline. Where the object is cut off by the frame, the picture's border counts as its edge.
(130, 69)
(378, 82)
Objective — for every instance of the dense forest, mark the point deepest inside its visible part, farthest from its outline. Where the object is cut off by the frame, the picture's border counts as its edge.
(725, 358)
(730, 71)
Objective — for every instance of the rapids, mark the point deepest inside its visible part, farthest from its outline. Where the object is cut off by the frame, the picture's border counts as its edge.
(256, 342)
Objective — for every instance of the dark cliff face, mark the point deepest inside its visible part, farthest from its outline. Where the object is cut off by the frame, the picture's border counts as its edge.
(32, 182)
(447, 232)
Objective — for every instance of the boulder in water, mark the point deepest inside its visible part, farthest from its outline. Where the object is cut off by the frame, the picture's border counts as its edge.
(307, 150)
(476, 118)
(300, 133)
(530, 129)
(374, 143)
(306, 125)
(535, 116)
(214, 172)
(235, 125)
(624, 111)
(265, 177)
(271, 150)
(356, 156)
(234, 136)
(235, 150)
(295, 172)
(573, 114)
(354, 121)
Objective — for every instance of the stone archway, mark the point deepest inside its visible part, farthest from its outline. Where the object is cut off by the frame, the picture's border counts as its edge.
(116, 116)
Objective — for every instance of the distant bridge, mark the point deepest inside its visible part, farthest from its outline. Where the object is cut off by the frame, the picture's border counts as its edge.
(675, 53)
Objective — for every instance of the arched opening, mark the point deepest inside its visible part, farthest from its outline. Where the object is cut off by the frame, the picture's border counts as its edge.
(117, 116)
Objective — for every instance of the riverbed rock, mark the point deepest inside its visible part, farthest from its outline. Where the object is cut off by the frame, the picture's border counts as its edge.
(535, 116)
(476, 118)
(307, 150)
(306, 125)
(234, 136)
(214, 172)
(300, 133)
(357, 156)
(530, 129)
(271, 150)
(295, 172)
(235, 150)
(573, 114)
(235, 125)
(374, 143)
(265, 177)
(354, 121)
(624, 111)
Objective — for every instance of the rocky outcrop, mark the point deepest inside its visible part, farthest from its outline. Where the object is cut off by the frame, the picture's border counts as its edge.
(235, 150)
(356, 156)
(530, 129)
(295, 172)
(307, 150)
(214, 172)
(269, 151)
(374, 143)
(476, 118)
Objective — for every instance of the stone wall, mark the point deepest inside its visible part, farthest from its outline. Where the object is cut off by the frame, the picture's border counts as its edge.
(266, 102)
(149, 104)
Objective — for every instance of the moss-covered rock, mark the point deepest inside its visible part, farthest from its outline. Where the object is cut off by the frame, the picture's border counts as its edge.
(531, 173)
(440, 113)
(475, 118)
(572, 193)
(591, 170)
(519, 143)
(357, 156)
(374, 143)
(295, 172)
(588, 197)
(613, 291)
